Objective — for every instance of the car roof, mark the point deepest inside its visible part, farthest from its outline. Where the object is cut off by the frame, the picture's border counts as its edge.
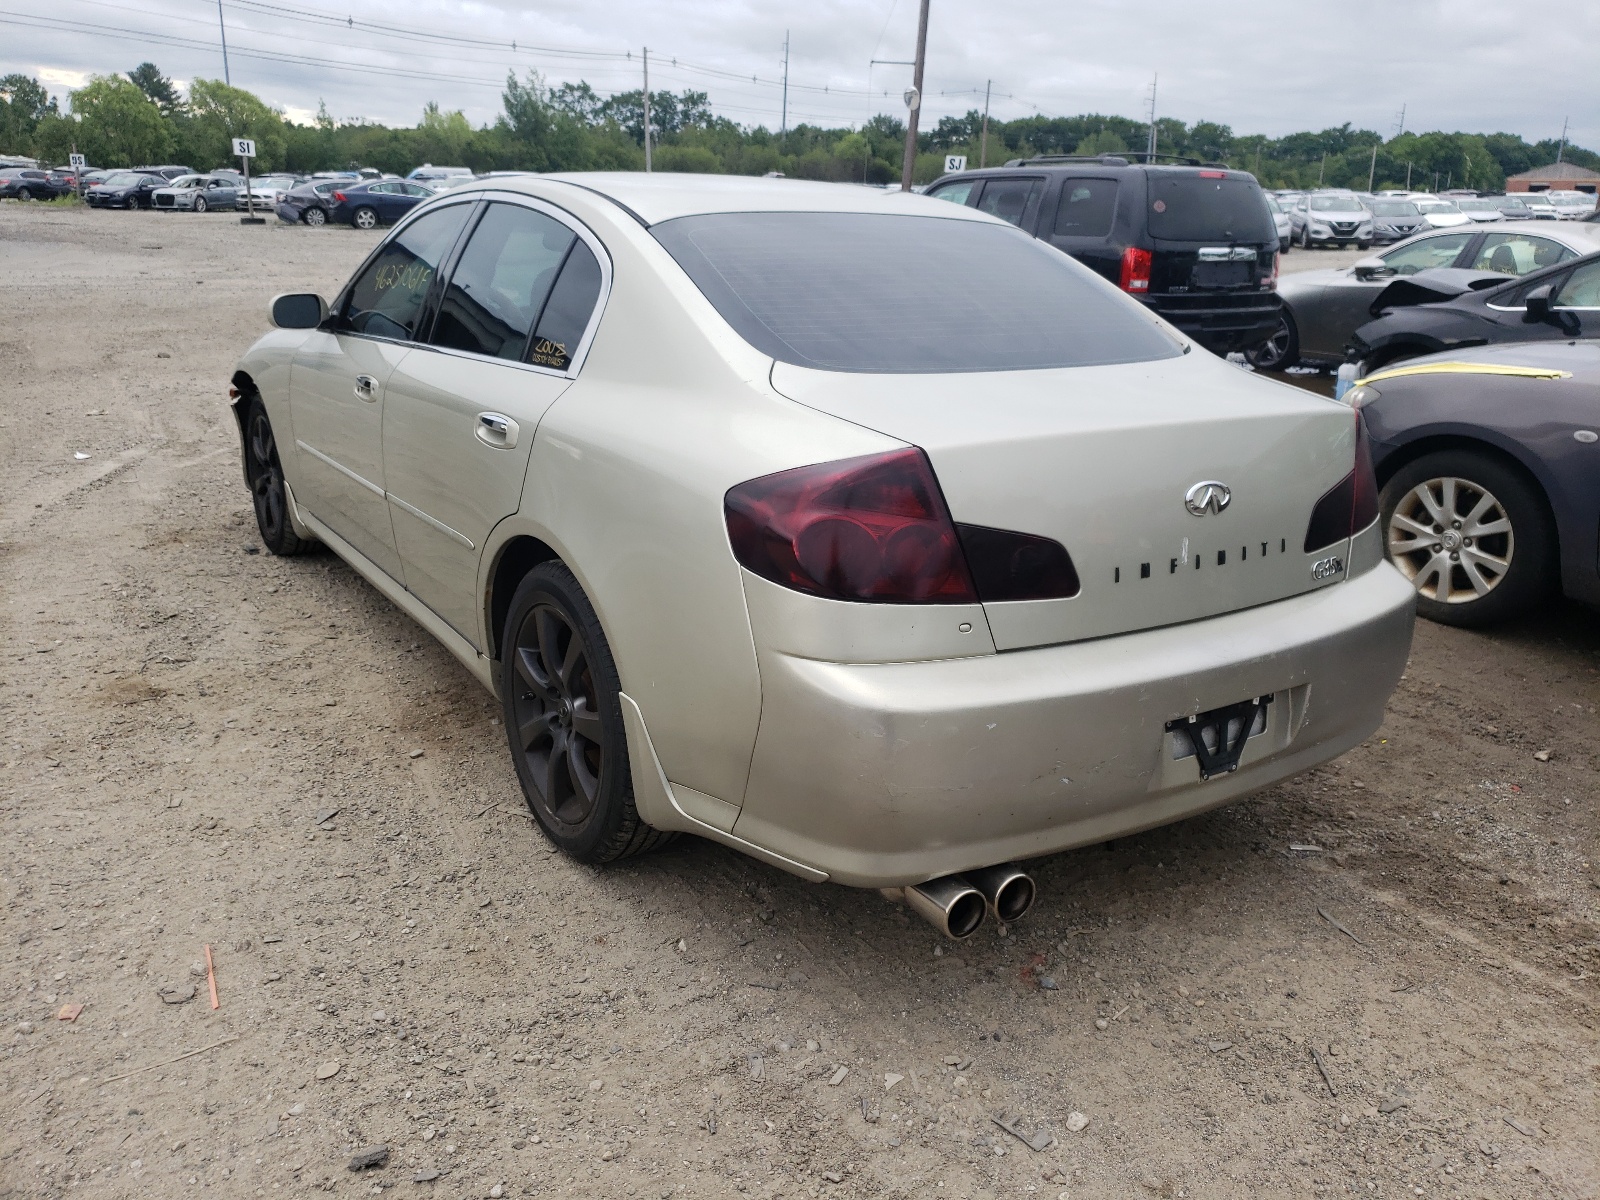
(664, 196)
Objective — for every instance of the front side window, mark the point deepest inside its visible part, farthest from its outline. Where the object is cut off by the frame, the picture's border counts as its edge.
(1008, 199)
(882, 292)
(957, 193)
(1581, 290)
(1429, 252)
(1518, 253)
(387, 298)
(1086, 208)
(501, 282)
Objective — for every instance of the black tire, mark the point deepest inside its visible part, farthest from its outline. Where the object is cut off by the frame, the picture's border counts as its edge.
(564, 721)
(315, 217)
(1280, 351)
(364, 218)
(132, 203)
(268, 494)
(1363, 245)
(1513, 525)
(1284, 244)
(24, 194)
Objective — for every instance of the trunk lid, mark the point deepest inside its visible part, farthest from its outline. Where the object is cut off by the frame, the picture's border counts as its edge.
(1101, 459)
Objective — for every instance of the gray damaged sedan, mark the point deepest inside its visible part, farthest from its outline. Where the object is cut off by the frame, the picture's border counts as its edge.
(1321, 309)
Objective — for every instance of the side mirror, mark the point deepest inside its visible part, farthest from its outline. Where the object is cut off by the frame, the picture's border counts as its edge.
(1371, 267)
(1538, 305)
(299, 310)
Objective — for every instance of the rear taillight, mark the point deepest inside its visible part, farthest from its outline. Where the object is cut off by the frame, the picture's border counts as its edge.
(1352, 503)
(1017, 566)
(340, 196)
(1135, 270)
(1270, 283)
(869, 529)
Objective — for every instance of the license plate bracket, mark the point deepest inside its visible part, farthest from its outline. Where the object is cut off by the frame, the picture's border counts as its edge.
(1218, 736)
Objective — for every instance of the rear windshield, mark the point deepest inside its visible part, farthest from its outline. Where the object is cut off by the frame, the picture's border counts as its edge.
(909, 295)
(1200, 208)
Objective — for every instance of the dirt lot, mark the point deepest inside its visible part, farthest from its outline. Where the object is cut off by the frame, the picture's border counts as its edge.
(204, 745)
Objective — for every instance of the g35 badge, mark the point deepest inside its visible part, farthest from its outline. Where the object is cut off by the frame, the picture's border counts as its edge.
(1327, 568)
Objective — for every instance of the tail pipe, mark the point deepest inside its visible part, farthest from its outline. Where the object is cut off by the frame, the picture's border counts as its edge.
(951, 905)
(1007, 890)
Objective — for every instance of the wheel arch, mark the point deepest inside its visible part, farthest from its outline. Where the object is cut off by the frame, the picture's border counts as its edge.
(1432, 443)
(242, 392)
(512, 563)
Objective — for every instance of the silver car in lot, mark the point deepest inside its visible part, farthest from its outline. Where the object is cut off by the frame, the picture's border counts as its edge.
(1331, 218)
(1394, 220)
(1321, 309)
(196, 193)
(762, 531)
(1282, 223)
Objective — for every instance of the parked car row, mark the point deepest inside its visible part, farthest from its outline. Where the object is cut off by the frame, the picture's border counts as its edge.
(363, 205)
(1339, 217)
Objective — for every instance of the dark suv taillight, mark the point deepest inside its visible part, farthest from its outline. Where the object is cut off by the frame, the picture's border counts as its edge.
(868, 529)
(1350, 505)
(1135, 276)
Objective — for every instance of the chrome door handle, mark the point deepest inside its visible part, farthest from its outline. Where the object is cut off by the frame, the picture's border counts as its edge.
(496, 430)
(366, 387)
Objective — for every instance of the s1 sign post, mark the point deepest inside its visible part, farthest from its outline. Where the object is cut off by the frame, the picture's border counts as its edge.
(245, 148)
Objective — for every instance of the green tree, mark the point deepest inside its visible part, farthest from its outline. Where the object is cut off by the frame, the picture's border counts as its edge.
(215, 115)
(115, 125)
(443, 138)
(1104, 142)
(23, 105)
(163, 93)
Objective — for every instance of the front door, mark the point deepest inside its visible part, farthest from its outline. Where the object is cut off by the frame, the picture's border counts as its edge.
(338, 381)
(1343, 307)
(462, 413)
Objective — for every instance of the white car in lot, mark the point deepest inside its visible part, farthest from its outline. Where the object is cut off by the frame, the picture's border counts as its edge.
(1572, 206)
(1442, 214)
(1281, 221)
(1331, 218)
(865, 534)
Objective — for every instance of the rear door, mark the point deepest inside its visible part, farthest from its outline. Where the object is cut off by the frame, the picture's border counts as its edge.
(1081, 220)
(461, 413)
(338, 380)
(1014, 199)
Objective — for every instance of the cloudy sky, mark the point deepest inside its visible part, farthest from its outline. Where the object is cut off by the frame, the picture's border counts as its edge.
(1259, 66)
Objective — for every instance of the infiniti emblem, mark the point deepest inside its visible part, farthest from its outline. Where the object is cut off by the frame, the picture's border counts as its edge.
(1207, 496)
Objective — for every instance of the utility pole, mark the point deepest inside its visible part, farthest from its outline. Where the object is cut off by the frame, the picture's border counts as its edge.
(983, 140)
(1562, 149)
(1408, 176)
(1402, 126)
(1372, 171)
(1151, 148)
(1321, 167)
(783, 134)
(223, 26)
(646, 107)
(914, 99)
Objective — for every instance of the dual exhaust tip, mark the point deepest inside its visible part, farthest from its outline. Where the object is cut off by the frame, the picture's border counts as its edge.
(955, 905)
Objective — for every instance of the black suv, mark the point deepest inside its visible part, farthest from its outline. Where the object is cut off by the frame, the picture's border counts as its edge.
(1194, 242)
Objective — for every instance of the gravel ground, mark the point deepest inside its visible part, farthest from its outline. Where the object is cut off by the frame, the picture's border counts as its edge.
(1376, 980)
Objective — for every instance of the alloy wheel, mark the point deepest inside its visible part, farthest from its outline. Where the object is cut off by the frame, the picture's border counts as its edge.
(266, 476)
(315, 217)
(365, 218)
(557, 713)
(1270, 355)
(199, 204)
(1452, 538)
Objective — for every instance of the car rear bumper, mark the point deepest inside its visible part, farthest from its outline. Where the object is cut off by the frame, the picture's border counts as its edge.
(888, 774)
(1222, 323)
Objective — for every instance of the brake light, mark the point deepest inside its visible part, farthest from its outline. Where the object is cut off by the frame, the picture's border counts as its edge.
(1213, 174)
(1270, 283)
(1135, 270)
(1017, 566)
(1350, 505)
(339, 196)
(871, 529)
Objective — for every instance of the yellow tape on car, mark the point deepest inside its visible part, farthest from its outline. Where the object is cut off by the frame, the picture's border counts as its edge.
(1466, 368)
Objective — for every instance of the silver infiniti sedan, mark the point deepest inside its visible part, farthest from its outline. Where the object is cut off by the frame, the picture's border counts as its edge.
(1321, 309)
(864, 534)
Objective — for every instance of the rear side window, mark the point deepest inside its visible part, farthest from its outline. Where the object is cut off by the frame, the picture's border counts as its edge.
(1518, 253)
(1198, 207)
(1420, 255)
(567, 312)
(1008, 199)
(387, 297)
(1086, 208)
(957, 193)
(906, 294)
(500, 283)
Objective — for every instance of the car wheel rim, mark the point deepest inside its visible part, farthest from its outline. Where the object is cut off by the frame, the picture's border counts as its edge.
(266, 477)
(556, 708)
(1453, 539)
(1275, 349)
(365, 220)
(315, 217)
